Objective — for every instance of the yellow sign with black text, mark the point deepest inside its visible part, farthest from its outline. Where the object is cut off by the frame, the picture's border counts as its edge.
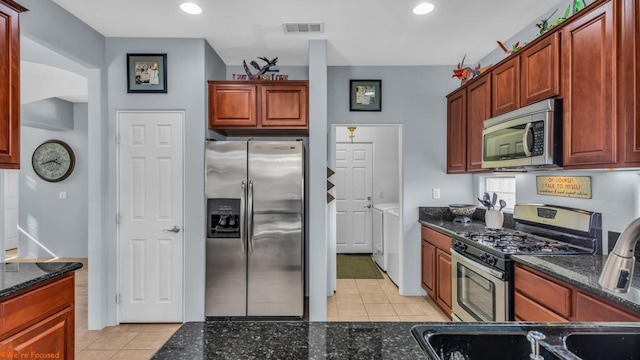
(567, 186)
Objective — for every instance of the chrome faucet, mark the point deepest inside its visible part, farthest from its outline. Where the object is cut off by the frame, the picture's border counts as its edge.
(618, 270)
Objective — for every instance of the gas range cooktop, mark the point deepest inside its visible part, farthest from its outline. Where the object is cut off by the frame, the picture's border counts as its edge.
(540, 230)
(517, 242)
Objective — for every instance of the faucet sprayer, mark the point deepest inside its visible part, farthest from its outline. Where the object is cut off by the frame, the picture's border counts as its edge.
(618, 270)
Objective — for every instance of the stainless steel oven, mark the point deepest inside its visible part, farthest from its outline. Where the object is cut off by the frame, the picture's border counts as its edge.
(479, 293)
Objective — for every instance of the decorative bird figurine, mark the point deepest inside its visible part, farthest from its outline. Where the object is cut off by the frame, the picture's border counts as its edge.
(514, 48)
(466, 73)
(261, 70)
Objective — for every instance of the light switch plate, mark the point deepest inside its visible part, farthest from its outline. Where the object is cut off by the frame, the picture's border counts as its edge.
(62, 195)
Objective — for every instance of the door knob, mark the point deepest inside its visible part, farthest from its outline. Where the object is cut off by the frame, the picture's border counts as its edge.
(176, 229)
(368, 206)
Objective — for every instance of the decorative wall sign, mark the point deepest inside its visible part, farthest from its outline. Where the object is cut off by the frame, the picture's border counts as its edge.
(365, 95)
(270, 67)
(146, 73)
(567, 186)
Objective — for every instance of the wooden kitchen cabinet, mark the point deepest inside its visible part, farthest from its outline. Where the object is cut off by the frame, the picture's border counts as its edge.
(505, 89)
(590, 308)
(629, 84)
(540, 71)
(589, 88)
(40, 321)
(259, 107)
(443, 283)
(553, 299)
(457, 132)
(436, 268)
(10, 84)
(429, 268)
(478, 110)
(539, 297)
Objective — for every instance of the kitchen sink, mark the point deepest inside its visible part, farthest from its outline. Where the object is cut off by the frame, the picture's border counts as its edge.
(496, 341)
(604, 346)
(450, 346)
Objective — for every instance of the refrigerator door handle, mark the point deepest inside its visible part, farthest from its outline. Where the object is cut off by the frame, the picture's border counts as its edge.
(250, 216)
(243, 232)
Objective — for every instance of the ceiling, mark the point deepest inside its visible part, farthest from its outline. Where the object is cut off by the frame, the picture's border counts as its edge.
(358, 32)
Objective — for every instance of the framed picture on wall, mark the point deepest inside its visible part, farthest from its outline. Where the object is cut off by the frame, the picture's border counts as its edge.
(365, 95)
(146, 73)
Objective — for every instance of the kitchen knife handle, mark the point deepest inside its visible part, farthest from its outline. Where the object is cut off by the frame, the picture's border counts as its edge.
(250, 216)
(243, 232)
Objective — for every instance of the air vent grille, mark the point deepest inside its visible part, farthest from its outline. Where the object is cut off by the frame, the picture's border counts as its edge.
(303, 28)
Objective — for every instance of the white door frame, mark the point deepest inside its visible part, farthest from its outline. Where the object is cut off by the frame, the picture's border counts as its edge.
(117, 163)
(331, 161)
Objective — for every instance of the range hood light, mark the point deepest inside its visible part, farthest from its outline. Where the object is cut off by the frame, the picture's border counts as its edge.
(423, 8)
(190, 8)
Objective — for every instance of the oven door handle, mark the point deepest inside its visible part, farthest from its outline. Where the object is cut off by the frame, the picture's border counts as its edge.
(472, 264)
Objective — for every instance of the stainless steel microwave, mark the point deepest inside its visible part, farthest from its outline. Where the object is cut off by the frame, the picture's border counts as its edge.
(526, 138)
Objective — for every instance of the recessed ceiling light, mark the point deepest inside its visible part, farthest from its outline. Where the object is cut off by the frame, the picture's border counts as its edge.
(191, 8)
(423, 8)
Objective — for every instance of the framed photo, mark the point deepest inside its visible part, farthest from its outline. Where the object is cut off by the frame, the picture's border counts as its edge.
(146, 73)
(365, 95)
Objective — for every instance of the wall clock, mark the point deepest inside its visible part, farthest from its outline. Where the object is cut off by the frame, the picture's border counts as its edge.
(53, 160)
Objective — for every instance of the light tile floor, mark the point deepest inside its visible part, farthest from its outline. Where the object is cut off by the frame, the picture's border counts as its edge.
(354, 300)
(378, 300)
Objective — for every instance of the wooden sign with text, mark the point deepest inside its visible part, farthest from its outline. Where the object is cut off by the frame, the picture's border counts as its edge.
(567, 186)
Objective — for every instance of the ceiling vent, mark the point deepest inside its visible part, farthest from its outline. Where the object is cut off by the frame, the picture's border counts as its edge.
(303, 28)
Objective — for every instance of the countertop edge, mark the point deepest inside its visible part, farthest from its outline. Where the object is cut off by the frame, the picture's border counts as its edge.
(38, 280)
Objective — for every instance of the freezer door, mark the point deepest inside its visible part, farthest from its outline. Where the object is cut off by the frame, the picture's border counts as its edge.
(226, 259)
(276, 218)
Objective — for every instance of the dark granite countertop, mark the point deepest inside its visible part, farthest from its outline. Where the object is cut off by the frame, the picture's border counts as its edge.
(583, 272)
(441, 219)
(291, 340)
(16, 277)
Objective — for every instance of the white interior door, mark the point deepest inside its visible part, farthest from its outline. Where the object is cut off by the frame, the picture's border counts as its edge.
(150, 201)
(354, 188)
(10, 209)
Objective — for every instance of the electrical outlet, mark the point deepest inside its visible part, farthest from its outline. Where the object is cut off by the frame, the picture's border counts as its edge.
(436, 193)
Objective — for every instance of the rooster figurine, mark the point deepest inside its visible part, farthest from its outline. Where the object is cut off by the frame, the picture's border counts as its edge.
(463, 73)
(466, 73)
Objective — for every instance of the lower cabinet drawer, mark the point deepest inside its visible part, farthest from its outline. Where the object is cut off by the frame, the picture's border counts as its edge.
(589, 308)
(528, 310)
(552, 295)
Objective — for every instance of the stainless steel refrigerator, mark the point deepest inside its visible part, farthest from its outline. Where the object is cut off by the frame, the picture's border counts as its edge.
(255, 234)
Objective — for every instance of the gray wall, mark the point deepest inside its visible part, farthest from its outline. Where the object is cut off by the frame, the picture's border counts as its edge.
(415, 97)
(51, 114)
(84, 51)
(187, 70)
(50, 227)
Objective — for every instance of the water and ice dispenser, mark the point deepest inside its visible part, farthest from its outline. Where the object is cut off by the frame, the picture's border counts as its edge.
(223, 218)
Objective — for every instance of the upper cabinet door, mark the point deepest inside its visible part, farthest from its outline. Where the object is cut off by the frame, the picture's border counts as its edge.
(9, 85)
(457, 131)
(478, 110)
(505, 81)
(540, 76)
(629, 111)
(232, 105)
(284, 105)
(588, 85)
